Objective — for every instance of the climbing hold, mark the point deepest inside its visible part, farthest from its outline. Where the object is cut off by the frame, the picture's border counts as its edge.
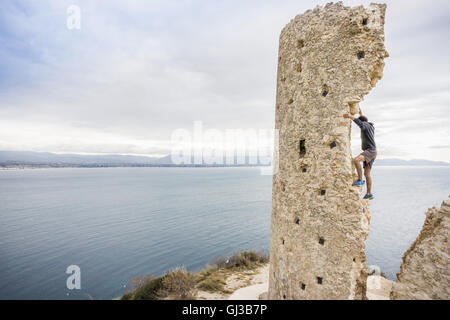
(333, 145)
(319, 280)
(325, 90)
(302, 148)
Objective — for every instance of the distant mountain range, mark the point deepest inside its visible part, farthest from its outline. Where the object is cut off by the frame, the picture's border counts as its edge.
(29, 157)
(414, 162)
(46, 159)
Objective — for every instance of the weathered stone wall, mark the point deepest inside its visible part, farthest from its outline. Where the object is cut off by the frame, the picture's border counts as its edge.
(425, 273)
(329, 58)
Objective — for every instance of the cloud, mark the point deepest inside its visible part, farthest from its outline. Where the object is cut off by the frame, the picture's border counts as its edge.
(138, 70)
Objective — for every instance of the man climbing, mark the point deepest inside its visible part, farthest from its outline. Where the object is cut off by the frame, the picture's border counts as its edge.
(369, 151)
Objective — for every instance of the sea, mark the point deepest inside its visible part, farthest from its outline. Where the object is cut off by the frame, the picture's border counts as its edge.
(115, 224)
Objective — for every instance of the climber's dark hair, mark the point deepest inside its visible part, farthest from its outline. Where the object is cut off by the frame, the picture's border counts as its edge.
(363, 118)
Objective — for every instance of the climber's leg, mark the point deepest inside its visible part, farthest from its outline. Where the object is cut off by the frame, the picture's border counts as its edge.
(357, 162)
(369, 156)
(367, 170)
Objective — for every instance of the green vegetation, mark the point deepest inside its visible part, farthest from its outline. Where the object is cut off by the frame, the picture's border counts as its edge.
(213, 284)
(151, 290)
(181, 284)
(247, 260)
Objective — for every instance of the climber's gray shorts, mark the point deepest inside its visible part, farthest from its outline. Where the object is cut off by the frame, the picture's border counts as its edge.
(369, 157)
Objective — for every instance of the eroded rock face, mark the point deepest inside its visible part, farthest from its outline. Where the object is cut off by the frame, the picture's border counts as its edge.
(425, 273)
(329, 58)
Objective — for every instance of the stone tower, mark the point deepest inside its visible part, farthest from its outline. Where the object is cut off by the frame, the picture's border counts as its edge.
(329, 59)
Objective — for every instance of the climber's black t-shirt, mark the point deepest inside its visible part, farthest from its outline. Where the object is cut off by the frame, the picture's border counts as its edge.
(367, 134)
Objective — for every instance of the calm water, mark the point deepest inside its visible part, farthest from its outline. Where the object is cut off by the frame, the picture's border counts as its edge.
(118, 223)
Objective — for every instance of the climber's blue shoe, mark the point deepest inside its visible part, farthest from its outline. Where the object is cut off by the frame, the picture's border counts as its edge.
(368, 197)
(358, 182)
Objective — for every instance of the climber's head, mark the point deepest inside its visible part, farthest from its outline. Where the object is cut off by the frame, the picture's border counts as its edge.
(363, 118)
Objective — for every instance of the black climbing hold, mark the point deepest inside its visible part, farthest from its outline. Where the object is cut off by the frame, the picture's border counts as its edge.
(325, 90)
(304, 169)
(333, 145)
(365, 21)
(322, 192)
(303, 286)
(319, 280)
(361, 55)
(302, 148)
(322, 241)
(297, 221)
(284, 296)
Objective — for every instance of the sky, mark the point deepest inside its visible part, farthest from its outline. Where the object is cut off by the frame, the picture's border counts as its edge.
(138, 70)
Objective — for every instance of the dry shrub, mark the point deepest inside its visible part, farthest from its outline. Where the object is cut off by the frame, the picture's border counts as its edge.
(137, 283)
(219, 262)
(246, 260)
(179, 284)
(152, 290)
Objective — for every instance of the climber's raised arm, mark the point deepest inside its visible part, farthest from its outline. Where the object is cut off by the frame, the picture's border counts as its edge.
(357, 121)
(349, 116)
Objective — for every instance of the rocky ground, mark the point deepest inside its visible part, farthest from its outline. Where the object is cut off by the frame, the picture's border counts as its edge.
(241, 285)
(254, 285)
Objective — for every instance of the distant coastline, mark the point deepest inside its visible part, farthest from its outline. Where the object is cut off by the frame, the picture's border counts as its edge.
(9, 167)
(6, 166)
(43, 160)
